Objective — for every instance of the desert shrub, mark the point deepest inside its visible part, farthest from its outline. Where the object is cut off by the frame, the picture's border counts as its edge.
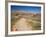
(36, 26)
(14, 20)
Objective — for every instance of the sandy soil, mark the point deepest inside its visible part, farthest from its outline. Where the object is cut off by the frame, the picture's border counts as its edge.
(22, 25)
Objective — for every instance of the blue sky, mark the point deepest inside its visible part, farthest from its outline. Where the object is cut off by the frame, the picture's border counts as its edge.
(34, 9)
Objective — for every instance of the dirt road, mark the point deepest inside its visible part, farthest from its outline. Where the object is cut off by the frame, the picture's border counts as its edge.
(22, 25)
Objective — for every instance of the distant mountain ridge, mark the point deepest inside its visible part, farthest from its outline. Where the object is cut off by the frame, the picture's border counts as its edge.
(25, 13)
